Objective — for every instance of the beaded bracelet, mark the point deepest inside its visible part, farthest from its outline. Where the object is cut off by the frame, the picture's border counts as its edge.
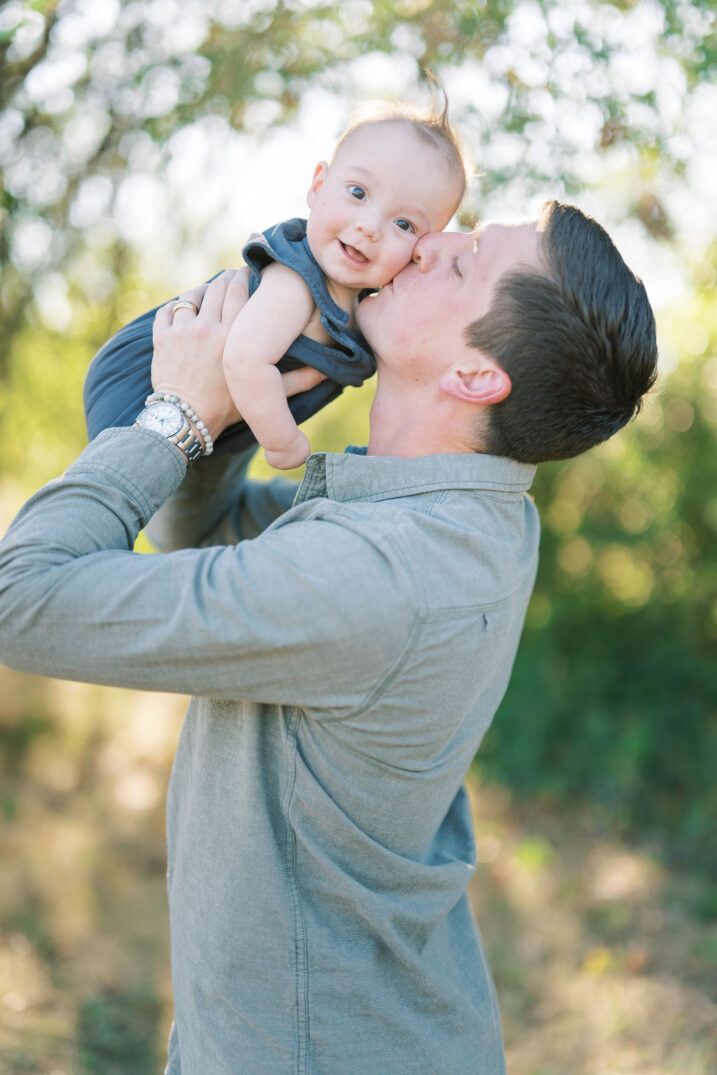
(202, 431)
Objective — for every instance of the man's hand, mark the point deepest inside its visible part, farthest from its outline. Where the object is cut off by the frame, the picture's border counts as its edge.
(188, 350)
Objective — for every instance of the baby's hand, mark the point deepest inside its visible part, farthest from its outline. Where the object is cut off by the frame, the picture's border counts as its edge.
(293, 455)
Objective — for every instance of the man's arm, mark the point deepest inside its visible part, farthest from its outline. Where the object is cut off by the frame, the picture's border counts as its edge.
(217, 505)
(288, 618)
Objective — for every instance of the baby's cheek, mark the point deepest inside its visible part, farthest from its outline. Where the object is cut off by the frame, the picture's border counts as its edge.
(399, 259)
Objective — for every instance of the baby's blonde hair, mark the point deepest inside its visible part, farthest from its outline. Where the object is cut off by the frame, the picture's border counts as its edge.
(431, 124)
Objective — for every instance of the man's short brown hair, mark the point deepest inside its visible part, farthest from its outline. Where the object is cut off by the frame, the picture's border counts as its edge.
(577, 341)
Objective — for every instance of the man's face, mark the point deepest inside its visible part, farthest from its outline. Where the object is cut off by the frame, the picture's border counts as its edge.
(419, 319)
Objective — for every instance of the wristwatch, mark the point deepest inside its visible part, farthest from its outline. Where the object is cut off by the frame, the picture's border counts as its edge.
(169, 420)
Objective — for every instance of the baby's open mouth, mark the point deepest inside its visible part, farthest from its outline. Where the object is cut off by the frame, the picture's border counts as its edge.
(354, 254)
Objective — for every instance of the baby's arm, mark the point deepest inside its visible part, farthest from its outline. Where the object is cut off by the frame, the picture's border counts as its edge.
(277, 312)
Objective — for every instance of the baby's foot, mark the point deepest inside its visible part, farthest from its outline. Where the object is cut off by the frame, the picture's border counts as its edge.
(292, 456)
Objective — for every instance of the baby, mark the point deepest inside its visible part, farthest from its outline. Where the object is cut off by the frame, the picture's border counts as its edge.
(395, 175)
(390, 181)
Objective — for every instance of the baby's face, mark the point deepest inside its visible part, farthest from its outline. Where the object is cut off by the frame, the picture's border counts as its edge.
(384, 189)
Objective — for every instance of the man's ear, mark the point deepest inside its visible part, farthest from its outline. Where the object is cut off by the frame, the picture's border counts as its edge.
(482, 381)
(320, 173)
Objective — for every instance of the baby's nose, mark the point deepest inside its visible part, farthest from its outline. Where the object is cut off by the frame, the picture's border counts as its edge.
(370, 225)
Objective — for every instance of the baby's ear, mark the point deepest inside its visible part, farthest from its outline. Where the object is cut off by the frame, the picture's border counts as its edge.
(320, 172)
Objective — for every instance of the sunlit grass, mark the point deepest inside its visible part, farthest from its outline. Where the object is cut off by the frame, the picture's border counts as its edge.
(84, 959)
(602, 954)
(600, 963)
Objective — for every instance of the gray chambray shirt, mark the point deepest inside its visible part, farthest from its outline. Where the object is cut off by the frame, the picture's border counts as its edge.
(345, 663)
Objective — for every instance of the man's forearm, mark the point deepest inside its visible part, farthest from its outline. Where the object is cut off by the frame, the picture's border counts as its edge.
(277, 619)
(217, 505)
(198, 508)
(95, 507)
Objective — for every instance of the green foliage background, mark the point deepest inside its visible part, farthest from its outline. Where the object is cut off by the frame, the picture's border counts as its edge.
(613, 700)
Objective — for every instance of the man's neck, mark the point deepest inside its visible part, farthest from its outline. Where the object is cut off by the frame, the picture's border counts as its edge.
(413, 419)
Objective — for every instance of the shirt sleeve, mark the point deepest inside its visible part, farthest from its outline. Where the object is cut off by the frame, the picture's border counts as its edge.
(216, 504)
(288, 618)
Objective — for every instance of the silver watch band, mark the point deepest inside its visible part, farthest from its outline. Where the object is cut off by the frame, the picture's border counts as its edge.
(197, 425)
(188, 441)
(185, 437)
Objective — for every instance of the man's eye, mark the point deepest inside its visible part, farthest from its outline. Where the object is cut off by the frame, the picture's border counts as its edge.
(455, 268)
(405, 225)
(357, 192)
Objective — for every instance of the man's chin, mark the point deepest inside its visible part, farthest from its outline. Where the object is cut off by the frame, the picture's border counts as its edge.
(364, 311)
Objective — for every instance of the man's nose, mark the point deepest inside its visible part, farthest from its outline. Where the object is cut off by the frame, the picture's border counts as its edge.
(426, 252)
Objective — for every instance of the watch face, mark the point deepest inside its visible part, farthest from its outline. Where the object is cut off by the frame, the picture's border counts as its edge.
(163, 418)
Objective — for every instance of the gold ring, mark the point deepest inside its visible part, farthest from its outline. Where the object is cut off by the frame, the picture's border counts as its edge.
(184, 304)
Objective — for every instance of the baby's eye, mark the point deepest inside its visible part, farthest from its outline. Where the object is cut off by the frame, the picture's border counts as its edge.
(405, 225)
(455, 268)
(357, 192)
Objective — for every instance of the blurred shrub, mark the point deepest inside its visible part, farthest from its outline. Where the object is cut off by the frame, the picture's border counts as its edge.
(117, 1034)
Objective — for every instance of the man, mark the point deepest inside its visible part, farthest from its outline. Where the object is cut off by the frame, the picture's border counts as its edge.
(346, 663)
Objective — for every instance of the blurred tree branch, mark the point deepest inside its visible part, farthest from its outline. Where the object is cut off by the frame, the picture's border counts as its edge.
(122, 70)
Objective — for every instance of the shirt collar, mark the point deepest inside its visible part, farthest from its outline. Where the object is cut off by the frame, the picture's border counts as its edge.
(357, 476)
